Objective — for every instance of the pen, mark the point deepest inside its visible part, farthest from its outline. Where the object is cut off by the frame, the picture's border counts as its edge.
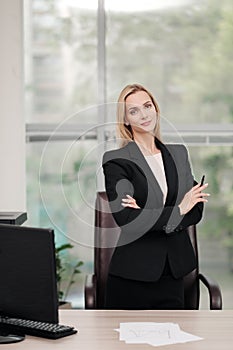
(202, 180)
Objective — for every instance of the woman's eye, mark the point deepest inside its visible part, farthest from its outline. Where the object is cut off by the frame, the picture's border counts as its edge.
(148, 106)
(133, 112)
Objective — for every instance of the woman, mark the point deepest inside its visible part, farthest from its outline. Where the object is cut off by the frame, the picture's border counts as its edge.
(153, 198)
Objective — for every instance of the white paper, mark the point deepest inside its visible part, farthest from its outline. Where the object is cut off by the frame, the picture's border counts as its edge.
(155, 334)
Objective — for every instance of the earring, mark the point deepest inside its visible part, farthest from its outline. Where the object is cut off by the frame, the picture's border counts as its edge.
(126, 123)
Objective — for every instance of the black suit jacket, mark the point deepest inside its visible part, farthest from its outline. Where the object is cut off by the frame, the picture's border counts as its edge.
(157, 230)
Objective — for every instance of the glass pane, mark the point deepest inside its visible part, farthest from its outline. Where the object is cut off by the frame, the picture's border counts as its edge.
(180, 50)
(215, 231)
(61, 188)
(61, 59)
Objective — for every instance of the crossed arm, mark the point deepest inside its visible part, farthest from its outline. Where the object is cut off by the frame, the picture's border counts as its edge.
(135, 220)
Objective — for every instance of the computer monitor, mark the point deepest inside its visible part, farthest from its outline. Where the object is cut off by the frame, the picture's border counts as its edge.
(28, 287)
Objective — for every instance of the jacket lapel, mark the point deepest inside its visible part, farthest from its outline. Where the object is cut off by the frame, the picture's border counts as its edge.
(171, 174)
(169, 167)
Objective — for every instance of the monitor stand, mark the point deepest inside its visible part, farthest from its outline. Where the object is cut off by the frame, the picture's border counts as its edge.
(10, 338)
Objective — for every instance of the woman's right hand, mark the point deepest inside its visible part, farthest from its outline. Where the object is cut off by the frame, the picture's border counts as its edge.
(129, 202)
(193, 197)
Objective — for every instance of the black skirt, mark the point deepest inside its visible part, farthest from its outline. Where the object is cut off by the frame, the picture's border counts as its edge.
(165, 294)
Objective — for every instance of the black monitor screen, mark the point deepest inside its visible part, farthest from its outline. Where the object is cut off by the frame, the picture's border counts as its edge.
(28, 286)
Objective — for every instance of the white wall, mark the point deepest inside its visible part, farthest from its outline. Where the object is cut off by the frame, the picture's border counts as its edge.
(12, 126)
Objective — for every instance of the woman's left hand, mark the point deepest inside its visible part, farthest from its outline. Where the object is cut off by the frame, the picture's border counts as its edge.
(129, 202)
(192, 197)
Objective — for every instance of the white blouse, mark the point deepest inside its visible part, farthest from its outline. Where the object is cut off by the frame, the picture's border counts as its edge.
(155, 162)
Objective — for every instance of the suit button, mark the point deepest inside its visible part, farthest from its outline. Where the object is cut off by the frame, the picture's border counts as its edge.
(164, 227)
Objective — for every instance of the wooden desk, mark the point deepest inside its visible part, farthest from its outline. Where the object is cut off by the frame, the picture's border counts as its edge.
(96, 330)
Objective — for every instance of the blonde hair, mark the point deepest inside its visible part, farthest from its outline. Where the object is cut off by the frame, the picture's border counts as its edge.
(124, 132)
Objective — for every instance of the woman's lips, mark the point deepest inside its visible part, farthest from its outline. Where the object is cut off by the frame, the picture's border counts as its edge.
(146, 123)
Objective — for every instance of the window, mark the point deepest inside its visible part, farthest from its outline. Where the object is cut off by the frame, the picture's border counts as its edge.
(78, 56)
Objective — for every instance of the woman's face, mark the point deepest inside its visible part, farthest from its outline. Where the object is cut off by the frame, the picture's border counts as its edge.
(140, 113)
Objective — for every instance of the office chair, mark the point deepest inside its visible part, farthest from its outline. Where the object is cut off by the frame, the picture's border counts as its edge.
(107, 234)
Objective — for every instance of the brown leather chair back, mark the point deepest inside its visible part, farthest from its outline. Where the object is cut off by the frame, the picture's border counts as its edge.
(106, 236)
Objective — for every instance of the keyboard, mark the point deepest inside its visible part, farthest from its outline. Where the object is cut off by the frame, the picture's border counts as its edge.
(36, 328)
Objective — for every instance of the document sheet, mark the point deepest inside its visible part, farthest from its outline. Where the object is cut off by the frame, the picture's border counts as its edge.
(153, 333)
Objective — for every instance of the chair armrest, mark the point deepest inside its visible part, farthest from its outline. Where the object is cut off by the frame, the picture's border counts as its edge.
(90, 292)
(214, 292)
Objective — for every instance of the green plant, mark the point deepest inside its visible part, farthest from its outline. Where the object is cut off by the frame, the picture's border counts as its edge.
(64, 268)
